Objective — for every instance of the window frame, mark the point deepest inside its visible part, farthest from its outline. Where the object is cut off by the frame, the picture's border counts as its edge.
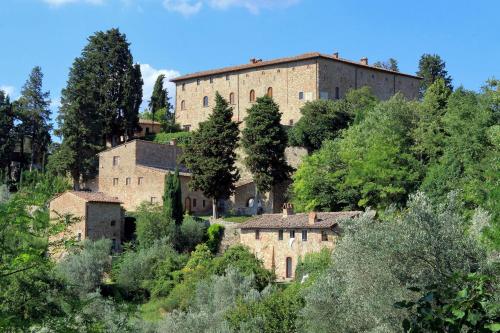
(280, 234)
(115, 181)
(140, 180)
(257, 234)
(304, 235)
(205, 101)
(324, 236)
(301, 95)
(251, 97)
(116, 160)
(292, 233)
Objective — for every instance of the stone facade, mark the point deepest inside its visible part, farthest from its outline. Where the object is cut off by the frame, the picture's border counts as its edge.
(281, 240)
(291, 82)
(135, 172)
(95, 216)
(147, 127)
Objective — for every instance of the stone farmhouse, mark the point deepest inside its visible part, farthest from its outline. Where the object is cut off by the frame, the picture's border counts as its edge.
(96, 216)
(280, 240)
(135, 172)
(290, 81)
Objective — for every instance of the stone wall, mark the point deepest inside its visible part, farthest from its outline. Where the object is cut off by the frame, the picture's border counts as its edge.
(273, 252)
(105, 220)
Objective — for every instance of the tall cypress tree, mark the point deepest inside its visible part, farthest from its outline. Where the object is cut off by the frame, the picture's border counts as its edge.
(35, 113)
(264, 141)
(172, 197)
(211, 155)
(158, 99)
(7, 133)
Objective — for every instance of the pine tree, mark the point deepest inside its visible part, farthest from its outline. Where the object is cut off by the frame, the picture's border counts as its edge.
(390, 64)
(211, 156)
(159, 96)
(7, 133)
(35, 113)
(430, 68)
(264, 141)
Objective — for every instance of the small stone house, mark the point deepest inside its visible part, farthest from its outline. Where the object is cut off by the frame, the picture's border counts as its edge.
(280, 240)
(147, 127)
(97, 216)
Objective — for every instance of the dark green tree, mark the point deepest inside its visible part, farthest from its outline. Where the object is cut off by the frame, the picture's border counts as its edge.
(264, 141)
(159, 96)
(211, 155)
(7, 133)
(430, 68)
(172, 197)
(33, 106)
(321, 120)
(390, 64)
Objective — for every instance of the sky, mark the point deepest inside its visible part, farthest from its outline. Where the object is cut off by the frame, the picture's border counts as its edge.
(177, 37)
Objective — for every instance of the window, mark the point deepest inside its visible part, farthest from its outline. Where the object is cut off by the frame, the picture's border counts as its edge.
(194, 202)
(79, 236)
(252, 95)
(227, 77)
(270, 92)
(205, 101)
(116, 160)
(290, 122)
(183, 105)
(257, 234)
(292, 233)
(337, 93)
(304, 235)
(301, 95)
(231, 98)
(112, 223)
(115, 181)
(198, 82)
(183, 86)
(211, 80)
(147, 130)
(250, 202)
(324, 236)
(280, 234)
(140, 180)
(288, 267)
(186, 127)
(153, 200)
(203, 203)
(113, 244)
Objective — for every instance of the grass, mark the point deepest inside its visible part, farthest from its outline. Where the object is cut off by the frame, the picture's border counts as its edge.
(152, 310)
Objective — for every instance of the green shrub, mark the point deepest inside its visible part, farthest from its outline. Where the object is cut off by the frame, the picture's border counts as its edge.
(215, 233)
(192, 232)
(313, 264)
(181, 137)
(153, 225)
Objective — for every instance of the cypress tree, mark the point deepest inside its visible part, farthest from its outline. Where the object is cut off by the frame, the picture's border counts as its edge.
(158, 99)
(264, 141)
(7, 133)
(210, 155)
(172, 197)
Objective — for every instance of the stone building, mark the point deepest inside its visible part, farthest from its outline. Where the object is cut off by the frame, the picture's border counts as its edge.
(135, 172)
(147, 127)
(279, 240)
(95, 215)
(290, 81)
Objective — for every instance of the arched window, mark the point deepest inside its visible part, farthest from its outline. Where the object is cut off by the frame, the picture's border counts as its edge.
(205, 101)
(270, 92)
(250, 202)
(183, 105)
(231, 98)
(252, 95)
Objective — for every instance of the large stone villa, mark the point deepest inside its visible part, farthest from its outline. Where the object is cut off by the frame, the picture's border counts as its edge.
(291, 82)
(133, 172)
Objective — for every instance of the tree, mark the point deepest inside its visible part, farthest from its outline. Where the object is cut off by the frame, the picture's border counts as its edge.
(390, 64)
(172, 197)
(211, 156)
(430, 68)
(100, 102)
(153, 224)
(35, 113)
(7, 133)
(159, 96)
(264, 142)
(321, 120)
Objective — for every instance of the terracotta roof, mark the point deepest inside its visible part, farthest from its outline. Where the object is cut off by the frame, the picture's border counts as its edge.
(305, 56)
(95, 197)
(325, 220)
(148, 121)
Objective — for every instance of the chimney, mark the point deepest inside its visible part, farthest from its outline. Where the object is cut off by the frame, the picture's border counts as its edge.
(255, 60)
(364, 61)
(287, 209)
(336, 55)
(313, 218)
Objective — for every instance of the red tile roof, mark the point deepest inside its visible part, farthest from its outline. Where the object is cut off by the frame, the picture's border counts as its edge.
(305, 56)
(95, 197)
(325, 220)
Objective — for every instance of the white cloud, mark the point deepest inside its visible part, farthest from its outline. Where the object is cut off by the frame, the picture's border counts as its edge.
(149, 76)
(57, 3)
(9, 90)
(191, 7)
(184, 7)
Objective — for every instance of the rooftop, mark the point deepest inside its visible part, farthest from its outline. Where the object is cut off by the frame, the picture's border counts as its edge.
(259, 63)
(148, 121)
(324, 220)
(95, 197)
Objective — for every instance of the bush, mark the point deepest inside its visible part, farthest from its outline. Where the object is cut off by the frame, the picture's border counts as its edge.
(84, 268)
(153, 225)
(192, 232)
(313, 264)
(215, 233)
(182, 138)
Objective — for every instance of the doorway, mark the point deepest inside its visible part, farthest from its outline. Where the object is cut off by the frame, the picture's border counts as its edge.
(288, 267)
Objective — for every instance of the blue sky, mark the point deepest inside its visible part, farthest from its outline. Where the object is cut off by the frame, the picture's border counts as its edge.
(181, 36)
